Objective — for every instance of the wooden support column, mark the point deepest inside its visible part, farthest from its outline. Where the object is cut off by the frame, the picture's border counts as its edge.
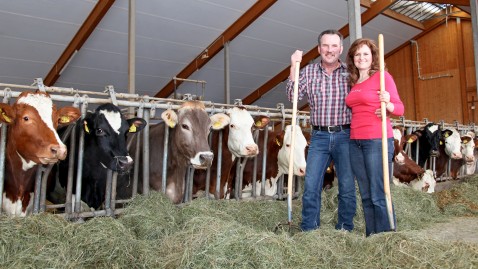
(462, 71)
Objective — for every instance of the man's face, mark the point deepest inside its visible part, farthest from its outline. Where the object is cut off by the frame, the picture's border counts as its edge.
(330, 48)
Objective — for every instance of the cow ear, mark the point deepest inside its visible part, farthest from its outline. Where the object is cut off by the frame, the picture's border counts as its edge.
(447, 133)
(219, 121)
(7, 114)
(261, 122)
(170, 118)
(68, 115)
(280, 139)
(136, 125)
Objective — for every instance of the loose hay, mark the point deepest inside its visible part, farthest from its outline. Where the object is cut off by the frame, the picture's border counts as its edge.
(154, 233)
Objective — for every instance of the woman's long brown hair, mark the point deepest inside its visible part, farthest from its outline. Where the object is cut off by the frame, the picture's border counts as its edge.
(352, 69)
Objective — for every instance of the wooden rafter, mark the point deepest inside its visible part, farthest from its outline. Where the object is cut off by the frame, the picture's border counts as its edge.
(215, 47)
(93, 19)
(375, 9)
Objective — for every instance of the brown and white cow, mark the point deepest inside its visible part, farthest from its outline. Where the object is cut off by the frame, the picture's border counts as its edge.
(468, 149)
(32, 140)
(240, 143)
(406, 171)
(277, 160)
(188, 145)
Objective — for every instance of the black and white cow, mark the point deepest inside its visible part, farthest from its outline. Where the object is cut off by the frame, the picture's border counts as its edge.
(104, 148)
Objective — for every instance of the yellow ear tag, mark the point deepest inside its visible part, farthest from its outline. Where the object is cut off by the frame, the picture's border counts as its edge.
(132, 128)
(64, 119)
(446, 135)
(328, 171)
(258, 123)
(217, 125)
(441, 143)
(278, 142)
(466, 141)
(5, 117)
(410, 140)
(86, 127)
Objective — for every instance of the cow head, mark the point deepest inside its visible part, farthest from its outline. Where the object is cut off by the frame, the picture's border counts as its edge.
(426, 182)
(284, 140)
(433, 137)
(468, 147)
(241, 142)
(33, 120)
(105, 132)
(191, 127)
(452, 140)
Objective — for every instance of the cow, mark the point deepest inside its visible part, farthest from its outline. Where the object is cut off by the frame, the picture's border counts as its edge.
(188, 146)
(468, 149)
(449, 149)
(105, 134)
(277, 159)
(428, 142)
(406, 171)
(32, 140)
(240, 144)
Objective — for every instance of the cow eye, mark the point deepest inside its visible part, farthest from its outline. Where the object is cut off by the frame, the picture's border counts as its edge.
(232, 126)
(185, 126)
(25, 118)
(100, 132)
(287, 145)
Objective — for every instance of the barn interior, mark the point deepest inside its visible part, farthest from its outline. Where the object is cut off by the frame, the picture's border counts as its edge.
(225, 51)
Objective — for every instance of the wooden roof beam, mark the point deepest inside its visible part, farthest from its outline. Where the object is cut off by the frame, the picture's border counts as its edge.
(216, 46)
(375, 9)
(93, 19)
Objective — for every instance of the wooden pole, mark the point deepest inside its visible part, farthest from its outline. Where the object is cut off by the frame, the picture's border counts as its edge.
(383, 112)
(292, 143)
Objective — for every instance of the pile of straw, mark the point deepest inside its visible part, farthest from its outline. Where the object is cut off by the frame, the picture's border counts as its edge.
(154, 233)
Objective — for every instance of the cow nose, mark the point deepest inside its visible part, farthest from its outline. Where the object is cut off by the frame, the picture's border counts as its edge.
(58, 151)
(252, 150)
(206, 158)
(457, 156)
(123, 163)
(301, 171)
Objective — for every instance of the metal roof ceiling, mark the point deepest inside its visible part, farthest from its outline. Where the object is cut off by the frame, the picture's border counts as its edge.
(172, 34)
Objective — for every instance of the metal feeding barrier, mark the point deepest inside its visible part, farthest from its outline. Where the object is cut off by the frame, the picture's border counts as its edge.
(147, 108)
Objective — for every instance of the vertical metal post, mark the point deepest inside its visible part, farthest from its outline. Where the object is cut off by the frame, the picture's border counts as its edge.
(132, 50)
(355, 20)
(146, 153)
(227, 77)
(81, 152)
(3, 142)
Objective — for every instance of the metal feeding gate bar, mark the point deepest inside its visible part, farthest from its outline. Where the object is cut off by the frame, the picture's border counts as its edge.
(146, 108)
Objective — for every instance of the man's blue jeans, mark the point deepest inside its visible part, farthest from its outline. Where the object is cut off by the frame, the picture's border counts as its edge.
(368, 170)
(325, 147)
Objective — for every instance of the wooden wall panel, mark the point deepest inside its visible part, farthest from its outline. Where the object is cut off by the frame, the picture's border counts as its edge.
(437, 95)
(398, 65)
(469, 56)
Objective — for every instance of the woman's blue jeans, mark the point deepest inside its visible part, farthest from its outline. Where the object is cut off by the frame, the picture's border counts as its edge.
(325, 147)
(367, 167)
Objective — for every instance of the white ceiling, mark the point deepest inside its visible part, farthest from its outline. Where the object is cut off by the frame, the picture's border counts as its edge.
(169, 35)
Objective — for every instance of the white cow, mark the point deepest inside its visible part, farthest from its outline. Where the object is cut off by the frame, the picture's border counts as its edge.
(468, 151)
(278, 154)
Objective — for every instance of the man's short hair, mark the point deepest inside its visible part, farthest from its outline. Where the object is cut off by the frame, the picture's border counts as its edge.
(331, 32)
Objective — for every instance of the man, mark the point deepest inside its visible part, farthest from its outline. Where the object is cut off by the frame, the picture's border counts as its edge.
(325, 84)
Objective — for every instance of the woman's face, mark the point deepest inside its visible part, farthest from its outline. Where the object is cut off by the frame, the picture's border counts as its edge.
(363, 58)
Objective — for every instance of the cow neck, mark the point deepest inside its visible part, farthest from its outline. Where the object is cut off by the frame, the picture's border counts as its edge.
(272, 169)
(176, 169)
(15, 175)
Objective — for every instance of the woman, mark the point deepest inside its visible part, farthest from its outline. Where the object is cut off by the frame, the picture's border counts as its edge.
(366, 130)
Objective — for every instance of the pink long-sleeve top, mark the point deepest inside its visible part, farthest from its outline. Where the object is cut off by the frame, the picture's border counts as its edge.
(364, 100)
